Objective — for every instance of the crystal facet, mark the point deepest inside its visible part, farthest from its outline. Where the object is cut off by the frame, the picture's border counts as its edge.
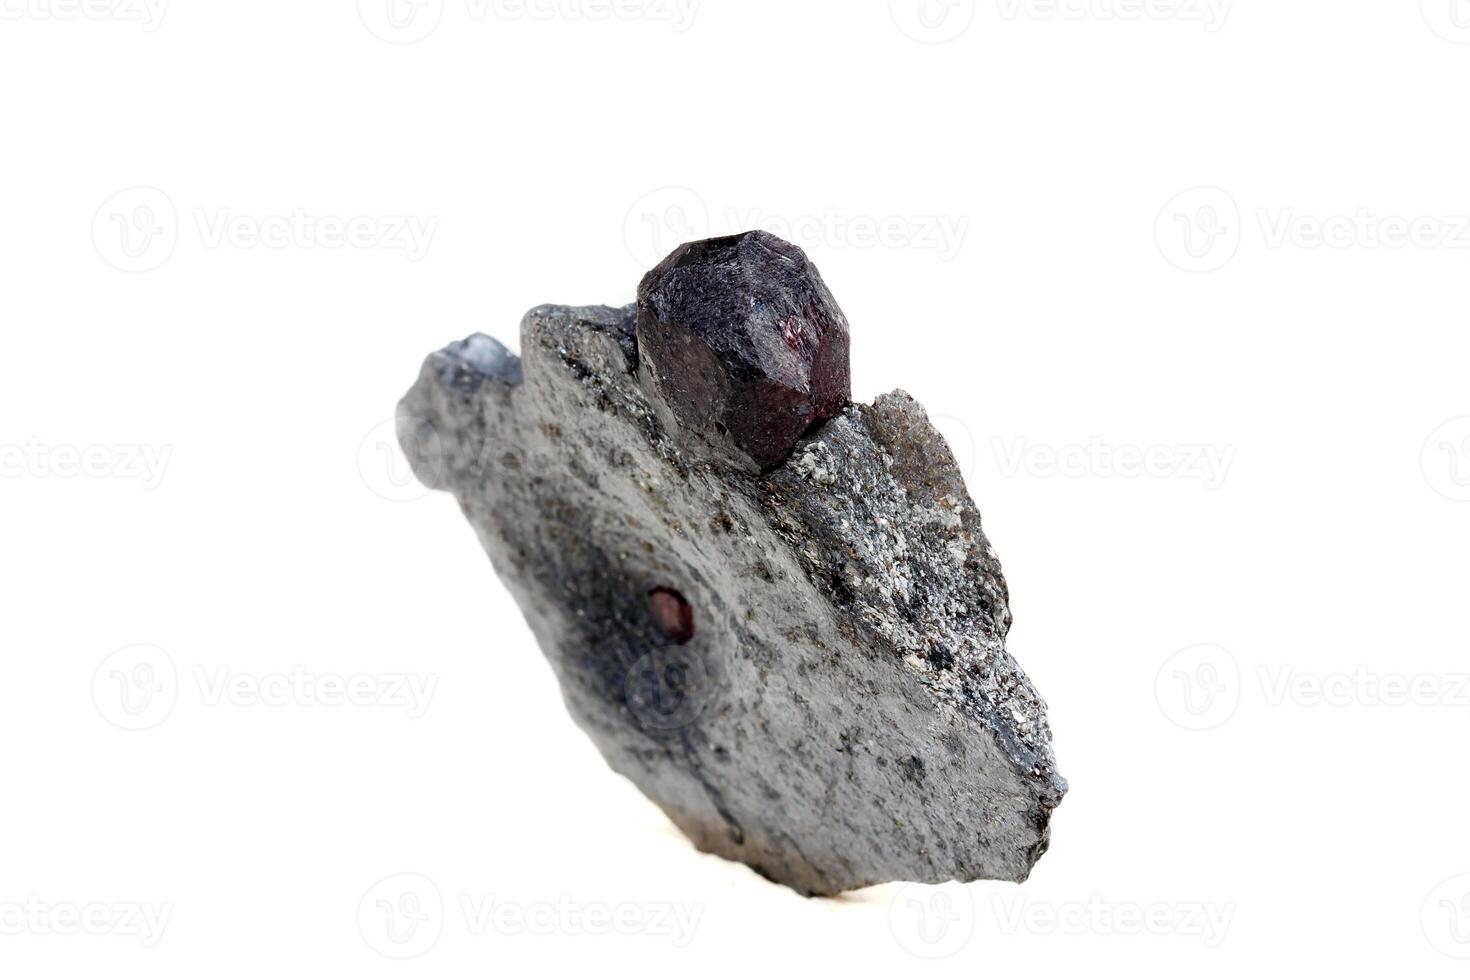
(743, 345)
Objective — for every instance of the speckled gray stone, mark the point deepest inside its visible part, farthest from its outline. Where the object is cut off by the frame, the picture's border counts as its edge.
(841, 709)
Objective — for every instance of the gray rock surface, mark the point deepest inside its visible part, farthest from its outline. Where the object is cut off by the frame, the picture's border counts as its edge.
(805, 669)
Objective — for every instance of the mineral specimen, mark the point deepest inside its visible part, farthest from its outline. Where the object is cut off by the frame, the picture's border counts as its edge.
(743, 345)
(774, 611)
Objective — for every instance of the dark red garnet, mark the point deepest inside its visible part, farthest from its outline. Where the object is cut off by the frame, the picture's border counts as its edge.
(744, 344)
(673, 613)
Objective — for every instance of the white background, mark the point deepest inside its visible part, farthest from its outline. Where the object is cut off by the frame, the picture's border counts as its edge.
(1183, 282)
